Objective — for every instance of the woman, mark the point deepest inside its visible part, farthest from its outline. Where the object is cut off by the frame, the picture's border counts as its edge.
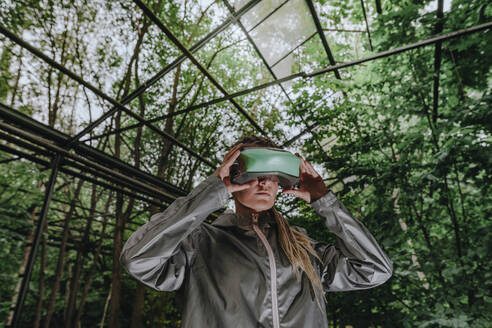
(250, 268)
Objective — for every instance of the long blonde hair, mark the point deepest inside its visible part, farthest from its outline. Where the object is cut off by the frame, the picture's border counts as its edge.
(295, 245)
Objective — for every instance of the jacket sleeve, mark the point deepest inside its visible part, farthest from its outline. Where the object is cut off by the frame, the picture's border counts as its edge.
(159, 252)
(357, 262)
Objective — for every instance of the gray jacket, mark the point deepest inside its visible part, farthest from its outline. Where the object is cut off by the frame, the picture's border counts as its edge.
(232, 273)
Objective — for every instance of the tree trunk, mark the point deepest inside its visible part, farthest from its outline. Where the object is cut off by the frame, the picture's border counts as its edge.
(138, 304)
(61, 255)
(404, 227)
(17, 79)
(120, 220)
(42, 267)
(81, 254)
(67, 284)
(167, 145)
(22, 268)
(114, 321)
(138, 301)
(53, 112)
(205, 147)
(92, 270)
(106, 305)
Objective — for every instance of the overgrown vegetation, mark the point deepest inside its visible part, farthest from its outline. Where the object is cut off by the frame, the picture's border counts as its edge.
(413, 167)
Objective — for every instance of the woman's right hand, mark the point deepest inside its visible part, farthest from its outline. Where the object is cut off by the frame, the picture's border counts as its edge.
(223, 171)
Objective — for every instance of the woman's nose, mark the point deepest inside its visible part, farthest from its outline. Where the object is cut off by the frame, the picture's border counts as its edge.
(262, 181)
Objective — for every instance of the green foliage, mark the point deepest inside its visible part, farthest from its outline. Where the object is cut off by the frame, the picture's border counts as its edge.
(387, 141)
(5, 75)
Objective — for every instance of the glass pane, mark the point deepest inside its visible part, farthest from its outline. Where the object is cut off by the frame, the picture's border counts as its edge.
(308, 57)
(345, 31)
(284, 30)
(258, 12)
(284, 68)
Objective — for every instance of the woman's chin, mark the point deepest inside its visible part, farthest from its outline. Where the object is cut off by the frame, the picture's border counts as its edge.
(258, 203)
(262, 206)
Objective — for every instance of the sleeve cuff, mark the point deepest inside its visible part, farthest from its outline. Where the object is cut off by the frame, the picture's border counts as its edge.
(326, 201)
(215, 184)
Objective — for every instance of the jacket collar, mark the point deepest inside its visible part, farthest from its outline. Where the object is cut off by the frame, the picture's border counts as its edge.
(230, 219)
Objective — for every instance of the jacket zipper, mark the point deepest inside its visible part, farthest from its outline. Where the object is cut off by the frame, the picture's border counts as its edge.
(273, 271)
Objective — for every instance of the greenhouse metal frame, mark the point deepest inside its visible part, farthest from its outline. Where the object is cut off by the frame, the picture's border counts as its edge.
(71, 156)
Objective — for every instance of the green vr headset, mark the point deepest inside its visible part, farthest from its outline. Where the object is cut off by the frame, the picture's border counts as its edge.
(255, 162)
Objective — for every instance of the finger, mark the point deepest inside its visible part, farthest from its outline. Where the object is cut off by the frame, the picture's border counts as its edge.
(311, 169)
(241, 187)
(231, 159)
(303, 167)
(298, 193)
(300, 164)
(232, 151)
(308, 168)
(236, 187)
(302, 190)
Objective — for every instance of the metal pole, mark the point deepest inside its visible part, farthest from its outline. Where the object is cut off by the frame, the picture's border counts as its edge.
(81, 176)
(231, 9)
(322, 36)
(189, 109)
(379, 8)
(437, 61)
(367, 24)
(132, 190)
(297, 47)
(253, 44)
(55, 165)
(294, 138)
(267, 16)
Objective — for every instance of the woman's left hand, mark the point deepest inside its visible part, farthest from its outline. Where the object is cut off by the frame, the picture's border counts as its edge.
(311, 185)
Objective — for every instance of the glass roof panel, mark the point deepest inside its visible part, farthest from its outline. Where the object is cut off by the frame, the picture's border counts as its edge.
(308, 57)
(311, 56)
(259, 12)
(283, 30)
(345, 30)
(284, 68)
